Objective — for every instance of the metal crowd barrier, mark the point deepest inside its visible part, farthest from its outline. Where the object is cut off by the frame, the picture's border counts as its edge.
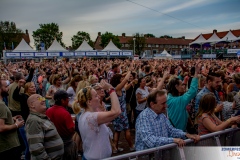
(227, 137)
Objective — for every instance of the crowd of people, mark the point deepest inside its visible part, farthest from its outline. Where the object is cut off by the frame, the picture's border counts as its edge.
(58, 110)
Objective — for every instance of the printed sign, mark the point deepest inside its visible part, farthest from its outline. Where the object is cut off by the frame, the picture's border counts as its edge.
(12, 54)
(79, 53)
(53, 54)
(68, 54)
(102, 53)
(40, 54)
(91, 53)
(114, 53)
(27, 54)
(126, 53)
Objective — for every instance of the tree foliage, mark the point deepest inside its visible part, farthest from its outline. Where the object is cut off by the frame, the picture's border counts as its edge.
(79, 38)
(166, 36)
(47, 33)
(9, 34)
(150, 35)
(140, 43)
(106, 37)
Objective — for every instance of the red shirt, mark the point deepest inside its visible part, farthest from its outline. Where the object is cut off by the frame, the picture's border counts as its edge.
(62, 121)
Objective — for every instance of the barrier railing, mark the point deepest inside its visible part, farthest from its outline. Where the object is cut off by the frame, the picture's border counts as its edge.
(228, 137)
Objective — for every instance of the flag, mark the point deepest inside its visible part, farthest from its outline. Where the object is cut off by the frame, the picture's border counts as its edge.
(12, 46)
(4, 44)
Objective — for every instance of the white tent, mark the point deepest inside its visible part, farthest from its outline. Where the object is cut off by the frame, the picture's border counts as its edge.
(199, 40)
(84, 47)
(23, 47)
(111, 47)
(56, 47)
(213, 39)
(229, 37)
(163, 55)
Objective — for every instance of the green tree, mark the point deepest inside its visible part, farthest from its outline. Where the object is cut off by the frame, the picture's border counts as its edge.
(79, 38)
(47, 33)
(9, 34)
(106, 37)
(140, 43)
(165, 36)
(150, 35)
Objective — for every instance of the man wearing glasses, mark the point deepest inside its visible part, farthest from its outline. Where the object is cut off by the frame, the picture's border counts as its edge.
(43, 138)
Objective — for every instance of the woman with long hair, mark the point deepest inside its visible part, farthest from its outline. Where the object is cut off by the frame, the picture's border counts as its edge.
(92, 122)
(207, 120)
(71, 90)
(177, 100)
(120, 123)
(57, 84)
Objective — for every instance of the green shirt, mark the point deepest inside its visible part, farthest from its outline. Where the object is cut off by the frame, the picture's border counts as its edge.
(12, 104)
(8, 139)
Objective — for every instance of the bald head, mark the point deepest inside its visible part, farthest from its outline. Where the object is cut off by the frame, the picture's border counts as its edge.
(31, 99)
(36, 103)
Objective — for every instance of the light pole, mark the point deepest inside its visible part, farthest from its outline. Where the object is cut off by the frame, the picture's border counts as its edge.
(134, 45)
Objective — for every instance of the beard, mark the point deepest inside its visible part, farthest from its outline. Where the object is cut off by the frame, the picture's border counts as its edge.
(4, 94)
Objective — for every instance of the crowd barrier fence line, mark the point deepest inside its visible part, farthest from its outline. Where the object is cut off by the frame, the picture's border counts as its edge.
(227, 137)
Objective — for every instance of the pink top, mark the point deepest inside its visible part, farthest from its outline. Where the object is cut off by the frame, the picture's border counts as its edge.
(201, 128)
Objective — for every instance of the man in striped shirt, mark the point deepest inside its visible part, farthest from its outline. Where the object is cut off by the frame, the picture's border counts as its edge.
(42, 136)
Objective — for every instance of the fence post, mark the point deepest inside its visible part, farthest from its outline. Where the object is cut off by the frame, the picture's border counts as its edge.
(182, 154)
(217, 140)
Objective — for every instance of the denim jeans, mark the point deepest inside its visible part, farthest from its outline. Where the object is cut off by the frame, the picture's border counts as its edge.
(23, 135)
(83, 158)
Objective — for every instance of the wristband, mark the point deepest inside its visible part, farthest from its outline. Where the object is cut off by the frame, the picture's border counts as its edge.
(16, 125)
(111, 90)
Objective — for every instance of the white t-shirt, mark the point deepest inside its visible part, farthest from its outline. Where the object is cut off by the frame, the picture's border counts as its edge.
(144, 93)
(96, 143)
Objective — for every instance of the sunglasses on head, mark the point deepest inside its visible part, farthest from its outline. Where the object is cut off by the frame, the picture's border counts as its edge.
(41, 99)
(85, 92)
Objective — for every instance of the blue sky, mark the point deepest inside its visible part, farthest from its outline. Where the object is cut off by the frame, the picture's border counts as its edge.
(176, 18)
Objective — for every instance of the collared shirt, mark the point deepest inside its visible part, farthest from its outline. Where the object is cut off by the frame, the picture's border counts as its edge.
(204, 91)
(153, 130)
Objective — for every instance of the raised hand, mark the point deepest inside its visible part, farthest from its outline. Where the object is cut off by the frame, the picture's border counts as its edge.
(105, 85)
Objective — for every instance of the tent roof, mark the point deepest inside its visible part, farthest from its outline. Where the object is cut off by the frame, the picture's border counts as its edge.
(84, 47)
(23, 46)
(213, 38)
(56, 47)
(199, 40)
(166, 53)
(229, 37)
(111, 47)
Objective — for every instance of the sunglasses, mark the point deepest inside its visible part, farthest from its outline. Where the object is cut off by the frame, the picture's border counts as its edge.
(42, 99)
(85, 92)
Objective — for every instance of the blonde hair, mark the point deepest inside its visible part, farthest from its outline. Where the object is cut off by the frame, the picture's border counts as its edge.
(81, 85)
(55, 78)
(91, 78)
(81, 99)
(27, 85)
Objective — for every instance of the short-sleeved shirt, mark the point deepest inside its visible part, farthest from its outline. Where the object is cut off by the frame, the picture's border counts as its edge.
(8, 140)
(96, 143)
(144, 93)
(62, 121)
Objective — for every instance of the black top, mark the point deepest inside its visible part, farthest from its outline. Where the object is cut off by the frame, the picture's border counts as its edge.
(22, 98)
